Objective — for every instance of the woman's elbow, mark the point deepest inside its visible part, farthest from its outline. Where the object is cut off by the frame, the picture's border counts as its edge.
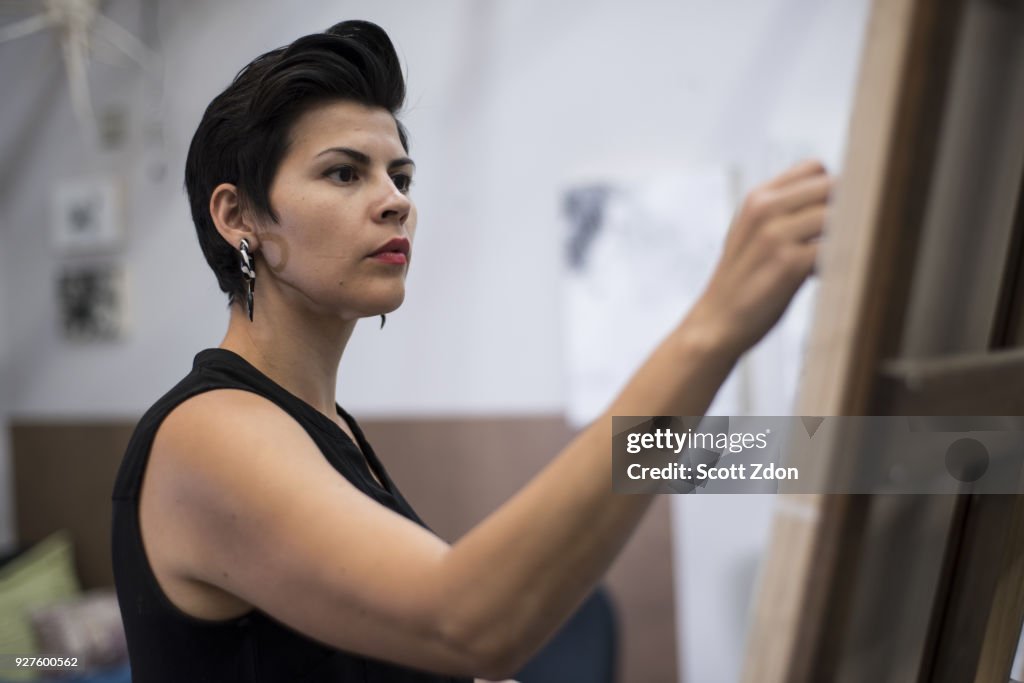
(486, 652)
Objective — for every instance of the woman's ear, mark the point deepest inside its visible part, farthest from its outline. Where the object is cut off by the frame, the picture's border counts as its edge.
(229, 216)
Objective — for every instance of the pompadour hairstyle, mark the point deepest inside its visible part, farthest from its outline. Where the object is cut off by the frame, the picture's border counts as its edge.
(246, 129)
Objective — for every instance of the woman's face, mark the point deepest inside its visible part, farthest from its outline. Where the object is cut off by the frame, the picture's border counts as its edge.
(340, 195)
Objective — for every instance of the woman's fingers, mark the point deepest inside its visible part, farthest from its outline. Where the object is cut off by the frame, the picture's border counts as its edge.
(804, 169)
(805, 255)
(771, 201)
(810, 191)
(765, 204)
(803, 225)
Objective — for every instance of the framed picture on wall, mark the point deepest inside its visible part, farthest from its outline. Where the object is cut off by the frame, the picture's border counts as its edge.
(91, 302)
(87, 215)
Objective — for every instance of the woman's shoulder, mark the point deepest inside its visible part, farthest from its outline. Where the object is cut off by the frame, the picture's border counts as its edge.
(218, 379)
(224, 418)
(219, 405)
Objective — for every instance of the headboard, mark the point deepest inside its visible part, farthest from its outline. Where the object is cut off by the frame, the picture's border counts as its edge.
(63, 477)
(64, 474)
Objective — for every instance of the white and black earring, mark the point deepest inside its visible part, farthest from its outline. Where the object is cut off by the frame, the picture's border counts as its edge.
(249, 273)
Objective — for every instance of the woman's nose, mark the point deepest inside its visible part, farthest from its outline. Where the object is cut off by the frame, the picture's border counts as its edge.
(394, 204)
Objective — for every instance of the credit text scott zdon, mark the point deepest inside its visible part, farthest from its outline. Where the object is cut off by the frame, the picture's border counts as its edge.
(734, 472)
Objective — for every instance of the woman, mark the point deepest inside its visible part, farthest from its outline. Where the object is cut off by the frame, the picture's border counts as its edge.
(256, 534)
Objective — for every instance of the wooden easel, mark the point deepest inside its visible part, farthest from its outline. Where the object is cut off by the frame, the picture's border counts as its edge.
(920, 312)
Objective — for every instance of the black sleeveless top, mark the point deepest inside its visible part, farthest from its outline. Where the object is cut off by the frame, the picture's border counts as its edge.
(165, 645)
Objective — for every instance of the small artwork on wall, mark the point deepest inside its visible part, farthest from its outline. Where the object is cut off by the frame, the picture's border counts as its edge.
(91, 303)
(634, 263)
(87, 215)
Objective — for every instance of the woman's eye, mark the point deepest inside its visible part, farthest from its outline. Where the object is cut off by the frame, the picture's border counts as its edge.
(403, 181)
(345, 174)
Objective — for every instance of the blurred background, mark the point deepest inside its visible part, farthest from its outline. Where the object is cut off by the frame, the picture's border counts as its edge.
(565, 152)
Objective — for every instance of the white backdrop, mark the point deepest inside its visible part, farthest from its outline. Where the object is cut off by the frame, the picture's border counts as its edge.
(508, 101)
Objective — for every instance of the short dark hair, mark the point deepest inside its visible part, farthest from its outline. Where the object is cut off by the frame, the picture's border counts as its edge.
(246, 129)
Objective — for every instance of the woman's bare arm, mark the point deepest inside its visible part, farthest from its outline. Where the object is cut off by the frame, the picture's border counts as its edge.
(252, 508)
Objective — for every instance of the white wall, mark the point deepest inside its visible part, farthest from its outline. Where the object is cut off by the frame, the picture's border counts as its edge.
(507, 100)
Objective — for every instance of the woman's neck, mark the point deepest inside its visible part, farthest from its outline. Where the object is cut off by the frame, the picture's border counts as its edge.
(296, 350)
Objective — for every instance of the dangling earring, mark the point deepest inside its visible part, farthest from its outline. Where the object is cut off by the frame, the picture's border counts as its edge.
(249, 273)
(382, 321)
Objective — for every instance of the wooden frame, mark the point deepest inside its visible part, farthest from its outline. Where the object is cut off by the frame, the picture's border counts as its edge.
(921, 287)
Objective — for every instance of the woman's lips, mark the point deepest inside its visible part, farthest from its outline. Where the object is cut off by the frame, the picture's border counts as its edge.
(393, 257)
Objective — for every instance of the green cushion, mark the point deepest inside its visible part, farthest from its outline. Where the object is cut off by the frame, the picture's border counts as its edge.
(41, 575)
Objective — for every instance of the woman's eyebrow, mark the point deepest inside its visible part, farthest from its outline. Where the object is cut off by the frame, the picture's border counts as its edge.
(364, 159)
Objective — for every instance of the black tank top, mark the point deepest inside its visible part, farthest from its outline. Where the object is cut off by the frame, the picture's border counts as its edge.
(165, 645)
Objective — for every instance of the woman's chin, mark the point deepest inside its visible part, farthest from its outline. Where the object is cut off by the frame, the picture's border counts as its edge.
(387, 304)
(365, 304)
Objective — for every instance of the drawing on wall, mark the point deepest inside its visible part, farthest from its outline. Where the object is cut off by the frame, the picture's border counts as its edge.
(87, 215)
(638, 254)
(91, 303)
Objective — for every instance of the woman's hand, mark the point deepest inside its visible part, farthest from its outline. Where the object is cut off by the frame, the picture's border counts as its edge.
(769, 252)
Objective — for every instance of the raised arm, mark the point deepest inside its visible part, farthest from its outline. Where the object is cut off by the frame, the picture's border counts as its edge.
(265, 518)
(578, 525)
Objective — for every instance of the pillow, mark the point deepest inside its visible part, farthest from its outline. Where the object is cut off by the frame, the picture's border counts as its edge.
(11, 552)
(87, 627)
(41, 575)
